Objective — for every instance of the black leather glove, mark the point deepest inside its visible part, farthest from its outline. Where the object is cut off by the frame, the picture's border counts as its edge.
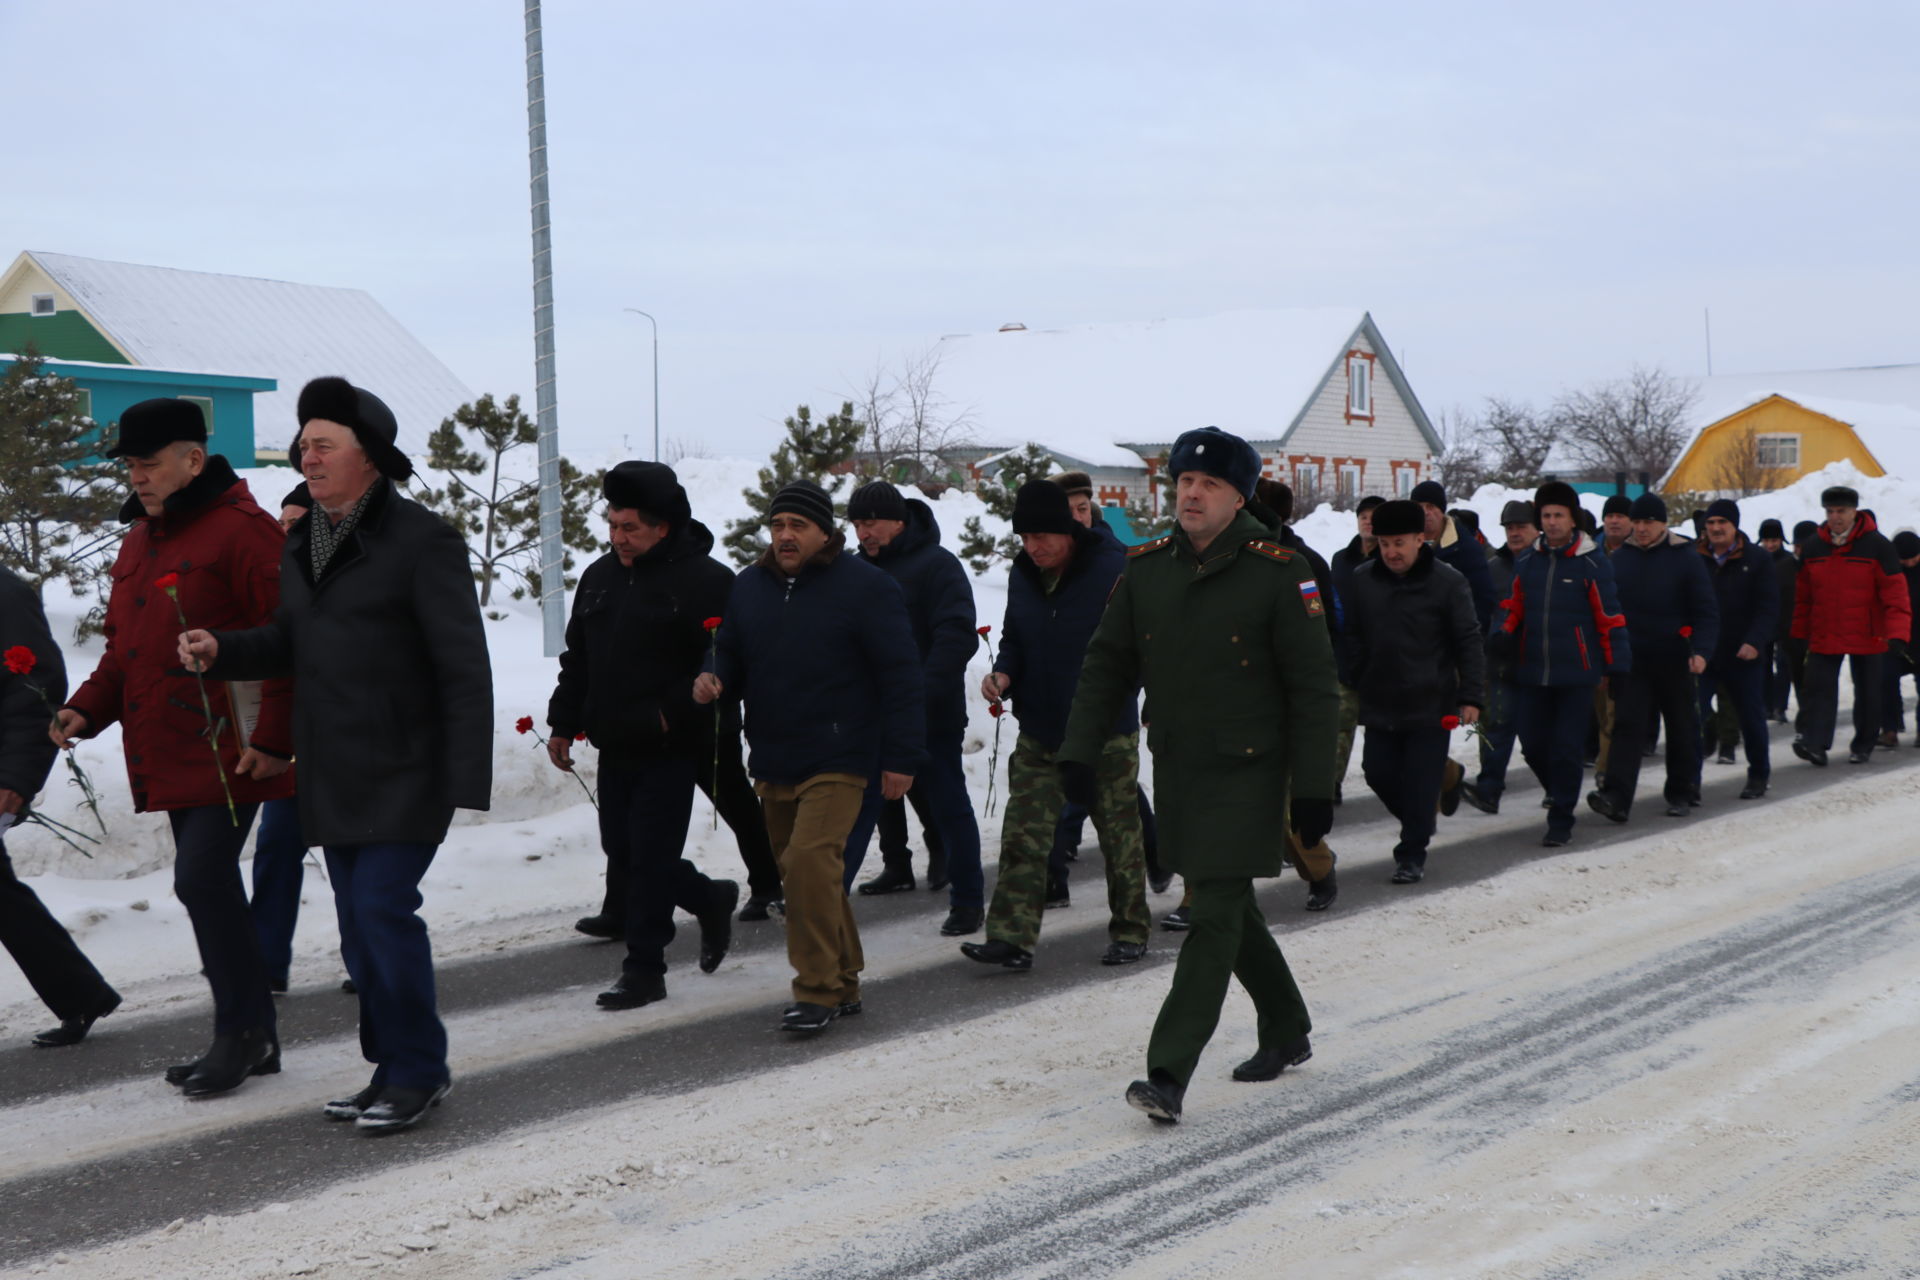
(1077, 781)
(1503, 646)
(1312, 819)
(1901, 654)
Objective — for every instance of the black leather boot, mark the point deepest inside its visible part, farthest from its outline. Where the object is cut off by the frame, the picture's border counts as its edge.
(230, 1061)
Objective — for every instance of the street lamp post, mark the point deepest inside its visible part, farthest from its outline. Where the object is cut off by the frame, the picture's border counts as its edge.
(656, 379)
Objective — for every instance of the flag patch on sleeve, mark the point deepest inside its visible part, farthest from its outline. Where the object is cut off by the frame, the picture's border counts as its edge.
(1310, 596)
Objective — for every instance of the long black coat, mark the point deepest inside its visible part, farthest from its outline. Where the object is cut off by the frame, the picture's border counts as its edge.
(1415, 649)
(940, 607)
(636, 640)
(393, 692)
(26, 752)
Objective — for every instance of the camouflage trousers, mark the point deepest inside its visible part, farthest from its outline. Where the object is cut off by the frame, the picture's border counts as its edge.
(1349, 720)
(1034, 799)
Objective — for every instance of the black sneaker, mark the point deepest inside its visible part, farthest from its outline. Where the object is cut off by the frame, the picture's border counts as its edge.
(350, 1108)
(1057, 895)
(995, 951)
(757, 908)
(1606, 806)
(1159, 1096)
(1556, 837)
(1754, 789)
(1269, 1063)
(1124, 952)
(631, 991)
(890, 880)
(1725, 756)
(962, 921)
(1479, 799)
(716, 926)
(1178, 920)
(1406, 873)
(1678, 809)
(805, 1019)
(398, 1109)
(1859, 757)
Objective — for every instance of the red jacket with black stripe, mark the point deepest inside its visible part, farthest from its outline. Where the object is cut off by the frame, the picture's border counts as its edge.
(1850, 597)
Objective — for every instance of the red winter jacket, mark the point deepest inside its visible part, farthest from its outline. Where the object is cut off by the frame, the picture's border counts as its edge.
(1850, 598)
(227, 553)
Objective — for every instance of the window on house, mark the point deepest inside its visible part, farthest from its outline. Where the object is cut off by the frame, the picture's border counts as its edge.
(1403, 480)
(83, 402)
(206, 411)
(1306, 483)
(43, 304)
(1359, 387)
(1778, 451)
(1349, 484)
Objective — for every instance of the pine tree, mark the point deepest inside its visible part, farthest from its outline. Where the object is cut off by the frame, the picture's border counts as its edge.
(58, 499)
(497, 511)
(809, 452)
(980, 548)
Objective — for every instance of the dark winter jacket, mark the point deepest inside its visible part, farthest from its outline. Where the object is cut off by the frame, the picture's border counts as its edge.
(27, 699)
(1043, 640)
(1850, 598)
(227, 552)
(1668, 599)
(1415, 649)
(393, 691)
(1786, 572)
(635, 642)
(1501, 566)
(1467, 555)
(827, 667)
(1563, 618)
(1346, 562)
(940, 607)
(1747, 596)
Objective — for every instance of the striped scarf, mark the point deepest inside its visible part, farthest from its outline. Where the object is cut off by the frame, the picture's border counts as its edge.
(325, 537)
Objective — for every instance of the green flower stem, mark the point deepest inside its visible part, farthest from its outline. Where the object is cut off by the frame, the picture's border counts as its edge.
(206, 707)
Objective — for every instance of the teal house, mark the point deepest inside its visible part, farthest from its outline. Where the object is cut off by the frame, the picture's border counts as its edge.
(226, 399)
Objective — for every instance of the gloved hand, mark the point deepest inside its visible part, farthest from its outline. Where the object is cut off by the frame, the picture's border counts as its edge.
(1077, 781)
(1898, 650)
(1503, 646)
(1312, 819)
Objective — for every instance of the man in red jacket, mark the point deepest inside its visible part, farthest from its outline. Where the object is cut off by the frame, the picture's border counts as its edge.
(1850, 601)
(197, 536)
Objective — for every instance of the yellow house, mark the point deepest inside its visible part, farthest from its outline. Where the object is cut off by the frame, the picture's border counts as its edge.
(1757, 434)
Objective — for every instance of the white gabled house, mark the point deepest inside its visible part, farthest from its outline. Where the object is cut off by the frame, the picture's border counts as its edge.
(1317, 392)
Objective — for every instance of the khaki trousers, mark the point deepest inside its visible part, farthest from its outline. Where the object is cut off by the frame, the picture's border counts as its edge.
(807, 824)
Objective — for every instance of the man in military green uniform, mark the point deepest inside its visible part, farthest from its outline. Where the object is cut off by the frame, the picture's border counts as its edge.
(1224, 627)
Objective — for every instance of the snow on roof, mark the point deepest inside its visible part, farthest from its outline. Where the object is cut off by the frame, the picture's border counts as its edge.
(1082, 390)
(173, 319)
(1881, 404)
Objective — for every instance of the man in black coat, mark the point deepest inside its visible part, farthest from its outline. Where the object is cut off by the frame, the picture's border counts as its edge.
(1457, 548)
(900, 537)
(1786, 567)
(1416, 654)
(1498, 728)
(637, 639)
(1893, 713)
(1673, 622)
(1748, 599)
(379, 626)
(1345, 562)
(819, 646)
(32, 683)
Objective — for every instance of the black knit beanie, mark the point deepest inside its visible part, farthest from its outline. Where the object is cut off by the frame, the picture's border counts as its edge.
(804, 498)
(1041, 506)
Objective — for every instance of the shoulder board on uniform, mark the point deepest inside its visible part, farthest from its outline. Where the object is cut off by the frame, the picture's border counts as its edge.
(1271, 550)
(1146, 547)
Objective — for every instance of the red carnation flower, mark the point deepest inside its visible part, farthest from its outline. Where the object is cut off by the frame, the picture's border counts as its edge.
(1686, 632)
(1449, 722)
(984, 630)
(995, 709)
(524, 724)
(20, 660)
(579, 737)
(167, 581)
(712, 624)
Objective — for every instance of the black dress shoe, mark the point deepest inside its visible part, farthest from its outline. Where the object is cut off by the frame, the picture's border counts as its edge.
(962, 921)
(1322, 892)
(805, 1019)
(278, 986)
(890, 880)
(1753, 790)
(230, 1061)
(937, 877)
(995, 951)
(346, 985)
(1450, 799)
(1123, 952)
(1555, 838)
(716, 926)
(1160, 883)
(600, 927)
(631, 990)
(1678, 809)
(1606, 806)
(1479, 799)
(74, 1030)
(397, 1108)
(757, 908)
(1159, 1095)
(178, 1073)
(1178, 920)
(848, 1008)
(1858, 757)
(351, 1108)
(1269, 1063)
(1812, 755)
(1407, 873)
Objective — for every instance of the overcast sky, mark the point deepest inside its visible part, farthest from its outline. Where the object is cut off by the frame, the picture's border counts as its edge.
(1525, 196)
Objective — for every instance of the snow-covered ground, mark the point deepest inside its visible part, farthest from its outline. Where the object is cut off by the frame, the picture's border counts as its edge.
(1772, 1109)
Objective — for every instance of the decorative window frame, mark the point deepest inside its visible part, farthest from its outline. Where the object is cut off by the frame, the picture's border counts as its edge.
(1360, 371)
(34, 308)
(1789, 440)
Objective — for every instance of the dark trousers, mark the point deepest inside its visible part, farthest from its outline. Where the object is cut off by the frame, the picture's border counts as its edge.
(1790, 675)
(734, 798)
(1228, 939)
(376, 891)
(1820, 695)
(60, 974)
(1741, 686)
(1551, 722)
(1893, 710)
(1405, 767)
(1497, 733)
(892, 831)
(1071, 829)
(206, 879)
(279, 870)
(951, 808)
(1658, 688)
(645, 807)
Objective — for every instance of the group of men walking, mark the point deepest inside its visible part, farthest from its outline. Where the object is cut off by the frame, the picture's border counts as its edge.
(346, 636)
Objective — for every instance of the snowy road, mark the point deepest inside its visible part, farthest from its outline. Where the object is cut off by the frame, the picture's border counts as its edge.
(1674, 1049)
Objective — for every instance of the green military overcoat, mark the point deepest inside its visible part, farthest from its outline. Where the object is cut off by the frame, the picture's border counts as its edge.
(1234, 654)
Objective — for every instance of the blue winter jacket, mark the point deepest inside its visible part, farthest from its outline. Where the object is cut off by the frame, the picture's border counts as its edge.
(827, 666)
(1044, 638)
(1668, 600)
(1565, 617)
(940, 608)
